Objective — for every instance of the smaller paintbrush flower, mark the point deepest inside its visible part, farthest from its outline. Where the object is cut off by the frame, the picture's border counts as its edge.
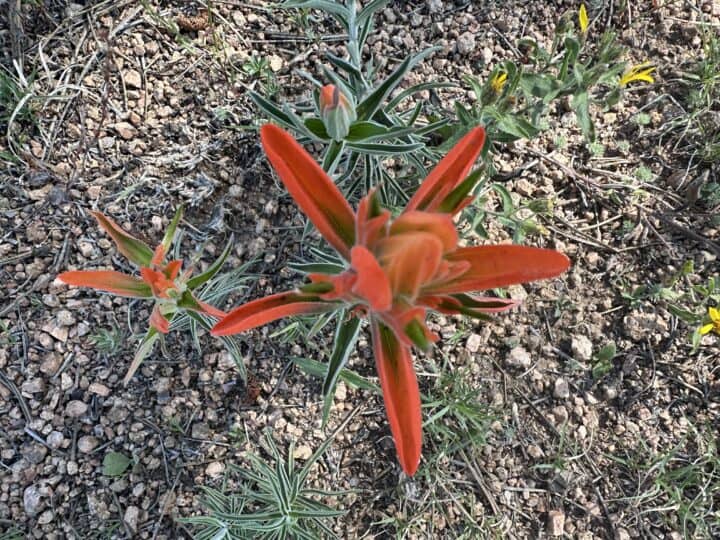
(171, 290)
(640, 72)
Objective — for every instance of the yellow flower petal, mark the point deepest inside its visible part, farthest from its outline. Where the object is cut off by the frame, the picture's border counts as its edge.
(714, 314)
(498, 82)
(706, 329)
(639, 72)
(583, 18)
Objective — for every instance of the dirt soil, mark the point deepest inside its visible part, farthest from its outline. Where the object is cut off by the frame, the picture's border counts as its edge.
(129, 117)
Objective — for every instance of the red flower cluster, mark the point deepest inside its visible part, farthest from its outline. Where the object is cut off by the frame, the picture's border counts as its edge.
(397, 269)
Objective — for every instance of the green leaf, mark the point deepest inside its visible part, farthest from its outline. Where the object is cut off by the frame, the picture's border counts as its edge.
(372, 103)
(317, 268)
(517, 127)
(115, 464)
(317, 127)
(540, 86)
(365, 129)
(378, 149)
(271, 110)
(143, 350)
(603, 361)
(607, 353)
(572, 49)
(214, 268)
(366, 132)
(507, 202)
(169, 236)
(696, 340)
(345, 337)
(317, 369)
(336, 8)
(369, 10)
(683, 314)
(581, 105)
(394, 102)
(462, 191)
(333, 155)
(464, 115)
(613, 98)
(414, 330)
(188, 301)
(344, 65)
(431, 128)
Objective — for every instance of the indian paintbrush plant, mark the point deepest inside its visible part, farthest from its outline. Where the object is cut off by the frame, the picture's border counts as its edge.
(372, 122)
(171, 290)
(395, 270)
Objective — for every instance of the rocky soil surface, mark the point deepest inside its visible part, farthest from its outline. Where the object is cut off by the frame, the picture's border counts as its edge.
(133, 116)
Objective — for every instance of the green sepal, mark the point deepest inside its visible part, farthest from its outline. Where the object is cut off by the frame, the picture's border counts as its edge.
(135, 250)
(460, 193)
(415, 331)
(317, 288)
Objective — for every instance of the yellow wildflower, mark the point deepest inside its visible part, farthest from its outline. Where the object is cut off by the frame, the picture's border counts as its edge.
(714, 324)
(498, 81)
(639, 72)
(583, 18)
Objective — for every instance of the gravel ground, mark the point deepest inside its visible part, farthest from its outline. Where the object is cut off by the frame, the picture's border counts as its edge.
(132, 119)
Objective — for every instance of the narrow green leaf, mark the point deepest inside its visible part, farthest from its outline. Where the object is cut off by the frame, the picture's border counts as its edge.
(169, 236)
(379, 149)
(317, 268)
(394, 102)
(372, 103)
(344, 65)
(415, 332)
(143, 350)
(214, 268)
(458, 195)
(317, 369)
(345, 337)
(581, 105)
(270, 109)
(507, 202)
(369, 10)
(335, 8)
(333, 155)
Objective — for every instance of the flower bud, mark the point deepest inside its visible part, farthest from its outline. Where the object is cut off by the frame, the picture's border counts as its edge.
(337, 112)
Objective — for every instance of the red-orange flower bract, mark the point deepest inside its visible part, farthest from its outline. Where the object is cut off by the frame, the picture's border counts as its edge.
(396, 269)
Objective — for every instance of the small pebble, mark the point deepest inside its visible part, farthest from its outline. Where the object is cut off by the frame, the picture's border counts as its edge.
(87, 444)
(556, 522)
(75, 408)
(561, 390)
(302, 452)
